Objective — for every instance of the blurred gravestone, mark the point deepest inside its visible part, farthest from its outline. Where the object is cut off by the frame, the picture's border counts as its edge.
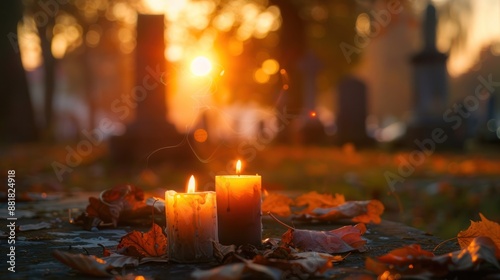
(352, 112)
(311, 129)
(431, 90)
(150, 130)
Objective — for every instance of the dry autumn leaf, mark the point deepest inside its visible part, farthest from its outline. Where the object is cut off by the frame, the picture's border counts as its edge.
(484, 227)
(119, 203)
(341, 240)
(150, 244)
(236, 271)
(414, 262)
(302, 266)
(368, 211)
(89, 265)
(277, 204)
(97, 211)
(315, 200)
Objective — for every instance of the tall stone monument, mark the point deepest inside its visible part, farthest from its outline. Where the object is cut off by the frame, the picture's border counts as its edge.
(431, 89)
(430, 74)
(150, 130)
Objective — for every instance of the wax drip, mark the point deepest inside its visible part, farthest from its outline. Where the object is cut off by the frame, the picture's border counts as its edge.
(228, 195)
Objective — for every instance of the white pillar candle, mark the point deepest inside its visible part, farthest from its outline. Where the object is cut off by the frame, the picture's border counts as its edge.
(191, 224)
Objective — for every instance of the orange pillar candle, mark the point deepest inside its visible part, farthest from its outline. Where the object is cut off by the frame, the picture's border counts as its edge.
(239, 210)
(191, 224)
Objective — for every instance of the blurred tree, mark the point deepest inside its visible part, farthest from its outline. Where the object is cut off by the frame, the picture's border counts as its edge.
(45, 25)
(17, 122)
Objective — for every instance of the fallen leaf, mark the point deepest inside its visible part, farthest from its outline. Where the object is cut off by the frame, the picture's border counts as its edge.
(277, 204)
(121, 203)
(368, 211)
(315, 200)
(150, 244)
(86, 264)
(300, 265)
(105, 251)
(237, 271)
(481, 249)
(413, 261)
(341, 240)
(97, 210)
(119, 260)
(37, 226)
(157, 203)
(222, 252)
(129, 193)
(484, 227)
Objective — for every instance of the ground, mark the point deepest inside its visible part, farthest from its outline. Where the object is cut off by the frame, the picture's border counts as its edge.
(438, 194)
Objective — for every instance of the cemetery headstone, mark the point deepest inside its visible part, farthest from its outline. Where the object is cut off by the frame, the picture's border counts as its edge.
(150, 130)
(431, 91)
(352, 112)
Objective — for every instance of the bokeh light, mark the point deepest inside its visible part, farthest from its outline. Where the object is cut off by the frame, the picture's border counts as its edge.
(260, 76)
(200, 135)
(201, 66)
(270, 66)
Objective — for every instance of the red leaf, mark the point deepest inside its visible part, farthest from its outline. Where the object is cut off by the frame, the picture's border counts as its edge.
(341, 240)
(150, 244)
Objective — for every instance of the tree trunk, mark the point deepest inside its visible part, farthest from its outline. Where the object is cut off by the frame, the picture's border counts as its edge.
(17, 122)
(49, 63)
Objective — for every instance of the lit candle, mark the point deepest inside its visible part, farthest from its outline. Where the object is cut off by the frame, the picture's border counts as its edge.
(191, 224)
(239, 208)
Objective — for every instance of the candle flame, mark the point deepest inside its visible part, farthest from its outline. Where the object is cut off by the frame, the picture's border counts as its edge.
(238, 167)
(191, 187)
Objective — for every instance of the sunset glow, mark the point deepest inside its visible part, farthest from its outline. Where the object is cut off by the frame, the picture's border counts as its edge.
(201, 66)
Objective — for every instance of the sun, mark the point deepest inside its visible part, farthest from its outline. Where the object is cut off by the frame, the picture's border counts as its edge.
(201, 66)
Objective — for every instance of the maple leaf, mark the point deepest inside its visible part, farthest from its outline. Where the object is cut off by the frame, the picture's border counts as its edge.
(150, 244)
(315, 200)
(278, 204)
(367, 211)
(484, 227)
(90, 265)
(341, 240)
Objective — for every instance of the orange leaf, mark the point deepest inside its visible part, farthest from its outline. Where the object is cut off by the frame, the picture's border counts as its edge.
(341, 240)
(367, 211)
(413, 261)
(483, 228)
(405, 255)
(150, 244)
(315, 200)
(278, 204)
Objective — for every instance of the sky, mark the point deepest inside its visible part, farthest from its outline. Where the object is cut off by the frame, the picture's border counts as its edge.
(483, 29)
